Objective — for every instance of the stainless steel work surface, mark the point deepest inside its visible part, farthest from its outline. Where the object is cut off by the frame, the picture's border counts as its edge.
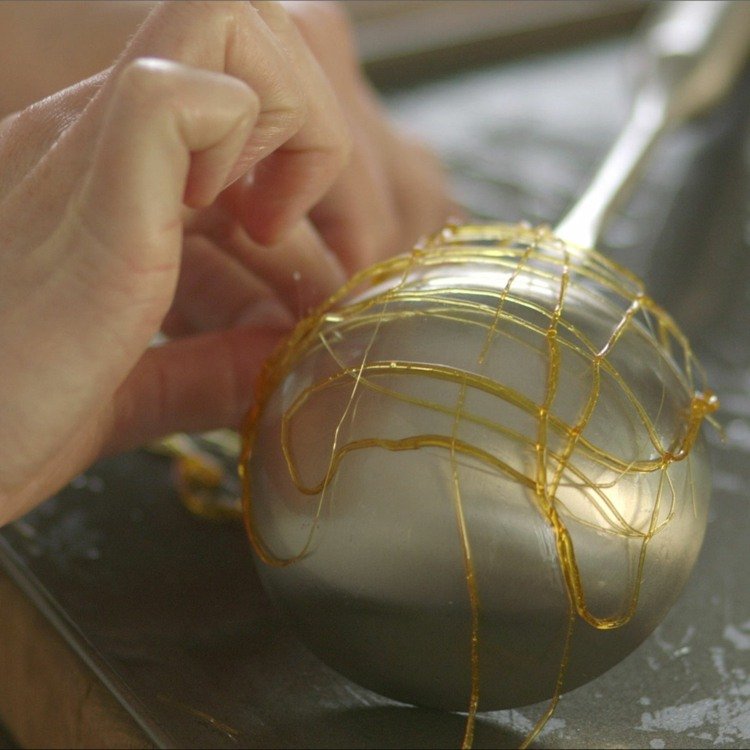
(167, 608)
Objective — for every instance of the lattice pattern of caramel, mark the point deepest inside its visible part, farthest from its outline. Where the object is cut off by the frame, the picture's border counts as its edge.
(524, 258)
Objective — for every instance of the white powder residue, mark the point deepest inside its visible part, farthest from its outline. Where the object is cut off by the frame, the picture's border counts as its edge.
(739, 638)
(729, 719)
(522, 724)
(719, 660)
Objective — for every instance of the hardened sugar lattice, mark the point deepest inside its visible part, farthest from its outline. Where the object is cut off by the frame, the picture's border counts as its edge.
(544, 412)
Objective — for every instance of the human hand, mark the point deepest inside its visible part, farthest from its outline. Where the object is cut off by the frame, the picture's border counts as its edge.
(170, 192)
(393, 189)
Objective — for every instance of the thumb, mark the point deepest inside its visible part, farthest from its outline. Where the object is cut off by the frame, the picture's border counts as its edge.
(164, 134)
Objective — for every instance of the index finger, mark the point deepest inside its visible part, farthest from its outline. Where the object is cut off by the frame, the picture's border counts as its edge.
(300, 123)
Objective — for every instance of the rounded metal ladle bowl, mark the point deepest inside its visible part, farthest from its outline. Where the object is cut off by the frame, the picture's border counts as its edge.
(475, 475)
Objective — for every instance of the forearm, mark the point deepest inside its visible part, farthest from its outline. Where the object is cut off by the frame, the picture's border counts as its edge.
(49, 45)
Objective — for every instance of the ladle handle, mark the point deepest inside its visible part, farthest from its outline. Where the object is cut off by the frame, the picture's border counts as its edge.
(689, 58)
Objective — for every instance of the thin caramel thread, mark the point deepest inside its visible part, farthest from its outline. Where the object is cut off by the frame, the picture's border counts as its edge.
(471, 579)
(546, 501)
(484, 384)
(625, 528)
(634, 402)
(559, 682)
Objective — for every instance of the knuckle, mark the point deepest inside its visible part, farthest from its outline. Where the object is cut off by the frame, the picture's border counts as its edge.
(145, 79)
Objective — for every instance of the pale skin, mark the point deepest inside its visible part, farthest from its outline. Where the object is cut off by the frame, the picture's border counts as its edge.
(228, 171)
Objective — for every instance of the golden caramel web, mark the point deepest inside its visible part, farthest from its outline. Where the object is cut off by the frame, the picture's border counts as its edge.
(383, 293)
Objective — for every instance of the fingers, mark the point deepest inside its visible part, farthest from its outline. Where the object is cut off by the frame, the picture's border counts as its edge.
(192, 384)
(393, 190)
(92, 234)
(90, 246)
(406, 198)
(97, 236)
(420, 188)
(406, 193)
(172, 134)
(300, 127)
(359, 218)
(301, 268)
(299, 122)
(215, 291)
(289, 182)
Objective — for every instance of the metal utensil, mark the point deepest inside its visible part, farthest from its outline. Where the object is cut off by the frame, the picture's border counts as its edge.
(477, 472)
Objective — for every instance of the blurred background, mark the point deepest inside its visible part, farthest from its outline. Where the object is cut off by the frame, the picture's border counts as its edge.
(402, 41)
